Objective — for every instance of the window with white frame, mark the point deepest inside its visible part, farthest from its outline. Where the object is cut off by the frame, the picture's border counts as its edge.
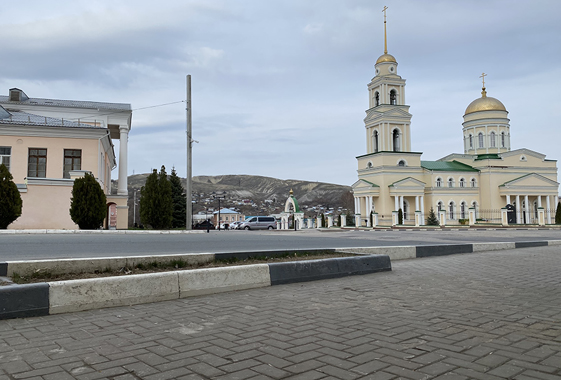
(401, 163)
(463, 210)
(493, 142)
(462, 182)
(376, 98)
(393, 97)
(481, 142)
(375, 139)
(471, 141)
(439, 182)
(503, 139)
(440, 206)
(72, 161)
(450, 182)
(451, 210)
(473, 182)
(5, 154)
(474, 205)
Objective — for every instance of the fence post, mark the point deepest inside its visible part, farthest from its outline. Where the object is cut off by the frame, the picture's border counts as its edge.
(472, 219)
(504, 216)
(418, 218)
(394, 218)
(442, 218)
(343, 220)
(541, 216)
(358, 222)
(374, 219)
(329, 221)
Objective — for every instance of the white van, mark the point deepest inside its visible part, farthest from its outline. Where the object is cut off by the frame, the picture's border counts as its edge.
(259, 223)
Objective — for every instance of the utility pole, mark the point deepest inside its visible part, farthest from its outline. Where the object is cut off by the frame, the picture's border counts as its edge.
(189, 210)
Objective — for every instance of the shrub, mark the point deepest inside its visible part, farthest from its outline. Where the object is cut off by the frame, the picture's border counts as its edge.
(156, 202)
(88, 205)
(558, 214)
(432, 219)
(179, 200)
(10, 199)
(400, 216)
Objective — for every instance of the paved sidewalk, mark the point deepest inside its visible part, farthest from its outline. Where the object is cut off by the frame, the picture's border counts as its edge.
(488, 315)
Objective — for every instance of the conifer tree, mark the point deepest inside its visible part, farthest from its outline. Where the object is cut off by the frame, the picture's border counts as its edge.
(179, 201)
(156, 202)
(350, 220)
(88, 205)
(400, 216)
(10, 199)
(558, 214)
(432, 219)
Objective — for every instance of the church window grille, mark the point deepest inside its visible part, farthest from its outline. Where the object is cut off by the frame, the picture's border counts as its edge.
(493, 144)
(396, 140)
(393, 97)
(439, 182)
(376, 99)
(481, 143)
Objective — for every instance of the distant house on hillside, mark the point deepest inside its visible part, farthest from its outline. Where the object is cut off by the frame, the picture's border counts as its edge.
(227, 216)
(47, 143)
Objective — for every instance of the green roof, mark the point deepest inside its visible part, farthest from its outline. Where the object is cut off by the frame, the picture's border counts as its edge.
(373, 184)
(297, 208)
(490, 156)
(447, 166)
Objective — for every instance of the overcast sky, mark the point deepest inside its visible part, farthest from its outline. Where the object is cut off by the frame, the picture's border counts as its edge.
(279, 87)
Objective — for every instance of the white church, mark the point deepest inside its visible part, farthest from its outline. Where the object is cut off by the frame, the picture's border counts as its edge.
(490, 182)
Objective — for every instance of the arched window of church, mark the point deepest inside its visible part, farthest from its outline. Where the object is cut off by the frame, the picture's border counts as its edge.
(396, 138)
(376, 98)
(493, 144)
(401, 163)
(450, 182)
(502, 139)
(393, 97)
(451, 209)
(470, 141)
(473, 182)
(462, 182)
(463, 210)
(481, 144)
(376, 147)
(440, 206)
(369, 165)
(474, 205)
(439, 182)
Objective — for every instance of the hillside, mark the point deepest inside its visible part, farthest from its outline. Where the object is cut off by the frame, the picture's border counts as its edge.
(256, 189)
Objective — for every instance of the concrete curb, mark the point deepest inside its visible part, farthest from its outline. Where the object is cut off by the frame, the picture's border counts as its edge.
(31, 300)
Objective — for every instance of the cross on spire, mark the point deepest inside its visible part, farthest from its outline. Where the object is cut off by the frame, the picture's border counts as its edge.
(483, 75)
(385, 34)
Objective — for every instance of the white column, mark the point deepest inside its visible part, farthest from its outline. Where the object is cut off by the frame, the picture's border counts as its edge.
(517, 209)
(396, 203)
(527, 209)
(357, 207)
(123, 153)
(508, 199)
(547, 204)
(423, 209)
(539, 201)
(416, 203)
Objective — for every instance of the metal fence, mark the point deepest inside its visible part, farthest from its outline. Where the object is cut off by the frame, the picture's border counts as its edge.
(488, 216)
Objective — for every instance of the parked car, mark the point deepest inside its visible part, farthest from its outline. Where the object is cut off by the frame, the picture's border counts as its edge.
(205, 224)
(234, 225)
(259, 223)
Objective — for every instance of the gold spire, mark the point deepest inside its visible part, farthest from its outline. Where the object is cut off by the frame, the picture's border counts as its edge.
(291, 192)
(483, 92)
(385, 34)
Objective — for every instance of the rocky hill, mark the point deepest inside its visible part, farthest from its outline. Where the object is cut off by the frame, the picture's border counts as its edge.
(257, 190)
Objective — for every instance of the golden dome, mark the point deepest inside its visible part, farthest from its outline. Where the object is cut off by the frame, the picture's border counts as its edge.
(386, 58)
(485, 103)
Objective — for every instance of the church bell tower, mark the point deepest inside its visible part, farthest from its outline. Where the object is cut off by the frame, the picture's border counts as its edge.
(388, 120)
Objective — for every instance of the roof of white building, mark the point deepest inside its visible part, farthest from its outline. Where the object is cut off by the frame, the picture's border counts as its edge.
(23, 118)
(226, 211)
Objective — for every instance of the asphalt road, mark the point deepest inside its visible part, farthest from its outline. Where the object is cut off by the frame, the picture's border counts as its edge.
(49, 246)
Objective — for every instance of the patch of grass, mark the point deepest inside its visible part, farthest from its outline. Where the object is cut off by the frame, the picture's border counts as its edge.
(155, 266)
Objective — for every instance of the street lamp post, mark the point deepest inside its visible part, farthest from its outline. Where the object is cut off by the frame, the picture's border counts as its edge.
(219, 195)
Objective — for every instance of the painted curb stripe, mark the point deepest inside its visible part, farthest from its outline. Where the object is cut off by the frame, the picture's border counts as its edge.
(527, 244)
(311, 270)
(19, 301)
(443, 250)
